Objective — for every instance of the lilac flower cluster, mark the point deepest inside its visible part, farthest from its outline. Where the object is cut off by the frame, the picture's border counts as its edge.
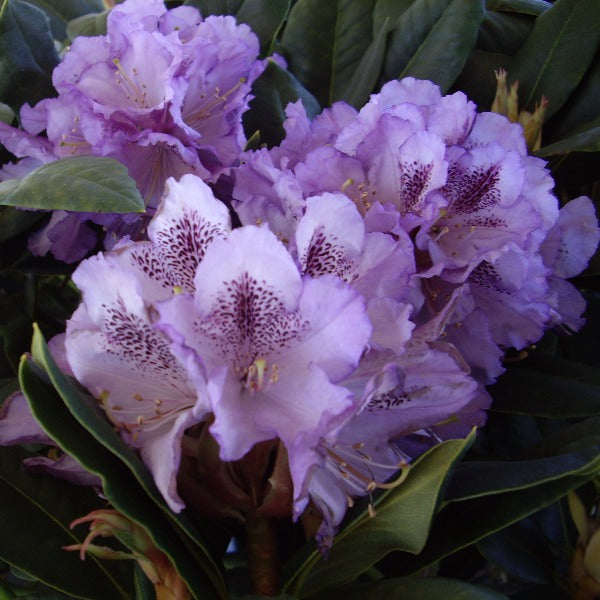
(386, 260)
(163, 92)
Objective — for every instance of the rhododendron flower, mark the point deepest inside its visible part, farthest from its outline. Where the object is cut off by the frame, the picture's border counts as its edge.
(163, 92)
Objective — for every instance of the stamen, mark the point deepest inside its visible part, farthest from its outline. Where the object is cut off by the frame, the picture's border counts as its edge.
(219, 98)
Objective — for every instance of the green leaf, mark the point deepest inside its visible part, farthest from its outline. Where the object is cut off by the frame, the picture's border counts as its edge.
(273, 90)
(60, 12)
(215, 7)
(406, 588)
(403, 517)
(36, 512)
(558, 52)
(586, 141)
(581, 110)
(85, 410)
(88, 25)
(581, 438)
(119, 485)
(540, 393)
(433, 40)
(475, 479)
(477, 79)
(461, 524)
(525, 7)
(80, 183)
(390, 11)
(366, 74)
(27, 54)
(325, 42)
(504, 33)
(521, 552)
(265, 18)
(14, 221)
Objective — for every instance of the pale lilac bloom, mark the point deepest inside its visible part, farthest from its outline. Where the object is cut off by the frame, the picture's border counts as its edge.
(163, 92)
(112, 346)
(274, 346)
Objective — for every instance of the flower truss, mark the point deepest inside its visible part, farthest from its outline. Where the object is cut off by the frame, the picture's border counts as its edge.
(386, 259)
(163, 92)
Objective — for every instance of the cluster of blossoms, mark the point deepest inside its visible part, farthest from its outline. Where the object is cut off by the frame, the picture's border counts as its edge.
(163, 92)
(385, 261)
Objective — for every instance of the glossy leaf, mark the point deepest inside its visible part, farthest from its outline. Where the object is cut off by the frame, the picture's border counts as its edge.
(539, 393)
(36, 513)
(265, 18)
(460, 524)
(390, 11)
(433, 40)
(215, 7)
(558, 52)
(402, 520)
(526, 7)
(404, 588)
(324, 43)
(581, 110)
(85, 410)
(118, 483)
(521, 552)
(14, 221)
(363, 80)
(474, 479)
(477, 79)
(60, 12)
(272, 92)
(585, 141)
(87, 25)
(27, 54)
(503, 32)
(80, 183)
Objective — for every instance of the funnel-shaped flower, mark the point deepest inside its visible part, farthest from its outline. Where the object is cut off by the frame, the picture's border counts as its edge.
(274, 345)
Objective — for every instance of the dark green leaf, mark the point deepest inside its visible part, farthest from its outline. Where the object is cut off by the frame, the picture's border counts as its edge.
(265, 18)
(581, 110)
(85, 410)
(272, 91)
(80, 183)
(433, 40)
(324, 43)
(36, 512)
(477, 79)
(215, 7)
(88, 25)
(586, 141)
(525, 7)
(460, 524)
(581, 438)
(120, 487)
(403, 517)
(27, 54)
(558, 52)
(60, 12)
(521, 552)
(14, 221)
(504, 33)
(390, 11)
(543, 394)
(475, 479)
(407, 588)
(366, 74)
